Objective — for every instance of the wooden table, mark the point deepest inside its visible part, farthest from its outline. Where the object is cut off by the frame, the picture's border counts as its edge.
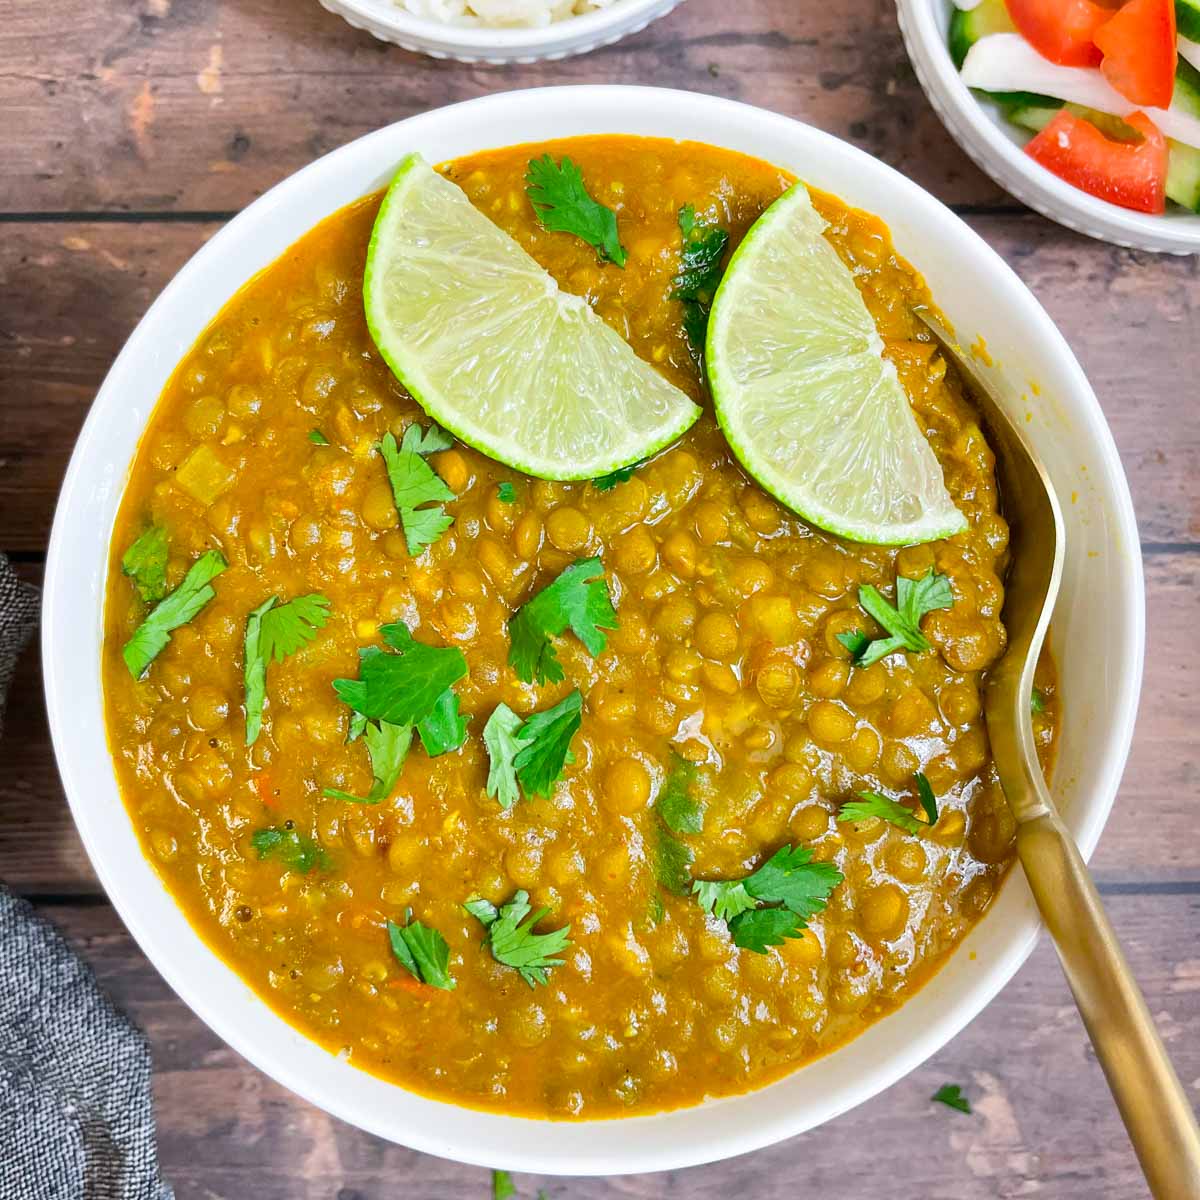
(134, 128)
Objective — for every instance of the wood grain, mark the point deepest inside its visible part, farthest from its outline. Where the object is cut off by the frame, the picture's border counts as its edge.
(75, 291)
(1044, 1124)
(160, 105)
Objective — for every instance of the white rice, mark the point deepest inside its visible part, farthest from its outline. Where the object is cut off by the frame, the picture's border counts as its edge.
(530, 14)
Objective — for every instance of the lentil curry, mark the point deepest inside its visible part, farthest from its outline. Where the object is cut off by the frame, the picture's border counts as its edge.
(726, 681)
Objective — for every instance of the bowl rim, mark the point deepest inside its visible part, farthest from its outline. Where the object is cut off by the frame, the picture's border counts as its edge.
(715, 1129)
(483, 38)
(984, 136)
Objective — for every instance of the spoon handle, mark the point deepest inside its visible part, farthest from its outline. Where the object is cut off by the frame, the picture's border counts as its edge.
(1152, 1102)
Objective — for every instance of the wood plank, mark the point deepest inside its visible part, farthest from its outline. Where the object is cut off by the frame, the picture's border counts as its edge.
(76, 291)
(1044, 1123)
(1150, 835)
(196, 105)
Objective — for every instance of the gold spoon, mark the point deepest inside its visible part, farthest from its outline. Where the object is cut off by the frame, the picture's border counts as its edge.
(1148, 1093)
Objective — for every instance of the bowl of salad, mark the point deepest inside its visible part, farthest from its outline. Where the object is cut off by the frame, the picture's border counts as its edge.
(1086, 110)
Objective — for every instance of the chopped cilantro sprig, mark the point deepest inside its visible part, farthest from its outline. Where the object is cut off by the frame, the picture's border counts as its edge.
(145, 562)
(510, 933)
(423, 953)
(788, 878)
(914, 598)
(606, 483)
(563, 205)
(152, 635)
(272, 633)
(578, 599)
(405, 687)
(397, 693)
(950, 1094)
(418, 490)
(530, 752)
(388, 747)
(699, 273)
(290, 847)
(928, 799)
(871, 805)
(678, 813)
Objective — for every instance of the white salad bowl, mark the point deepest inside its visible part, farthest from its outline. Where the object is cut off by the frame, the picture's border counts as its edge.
(390, 22)
(1036, 375)
(995, 145)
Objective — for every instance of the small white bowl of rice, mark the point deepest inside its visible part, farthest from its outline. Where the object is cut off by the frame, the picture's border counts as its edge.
(500, 31)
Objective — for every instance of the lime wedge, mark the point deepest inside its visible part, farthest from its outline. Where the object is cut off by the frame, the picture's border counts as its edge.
(491, 348)
(809, 404)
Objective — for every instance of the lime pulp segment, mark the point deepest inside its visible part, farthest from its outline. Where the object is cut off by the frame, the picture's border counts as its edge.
(494, 351)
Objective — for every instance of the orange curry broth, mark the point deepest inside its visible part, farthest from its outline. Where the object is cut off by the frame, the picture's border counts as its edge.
(726, 655)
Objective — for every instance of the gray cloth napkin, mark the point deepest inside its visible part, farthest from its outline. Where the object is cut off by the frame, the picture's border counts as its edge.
(76, 1114)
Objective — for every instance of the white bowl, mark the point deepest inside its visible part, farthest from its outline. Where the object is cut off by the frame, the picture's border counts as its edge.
(1101, 606)
(480, 44)
(995, 144)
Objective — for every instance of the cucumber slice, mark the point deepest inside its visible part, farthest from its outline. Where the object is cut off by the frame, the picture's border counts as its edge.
(1034, 116)
(967, 26)
(1187, 88)
(1183, 175)
(1187, 19)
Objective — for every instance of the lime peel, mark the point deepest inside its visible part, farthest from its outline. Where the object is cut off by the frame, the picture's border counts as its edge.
(495, 352)
(808, 403)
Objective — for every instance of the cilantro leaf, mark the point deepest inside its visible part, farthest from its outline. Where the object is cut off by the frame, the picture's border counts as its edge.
(606, 483)
(679, 812)
(317, 438)
(699, 273)
(1037, 701)
(153, 634)
(546, 745)
(790, 877)
(502, 1185)
(764, 927)
(423, 953)
(414, 483)
(914, 598)
(502, 735)
(506, 493)
(928, 799)
(695, 325)
(401, 688)
(445, 728)
(388, 746)
(951, 1095)
(532, 751)
(145, 562)
(482, 910)
(578, 598)
(513, 941)
(272, 634)
(293, 849)
(872, 804)
(700, 260)
(723, 898)
(672, 862)
(563, 205)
